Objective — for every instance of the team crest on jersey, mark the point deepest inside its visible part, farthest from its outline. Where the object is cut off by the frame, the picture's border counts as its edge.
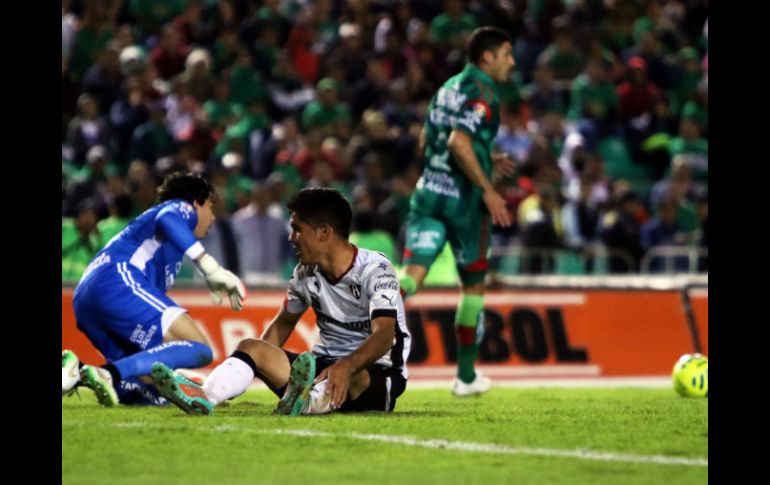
(479, 110)
(355, 288)
(186, 210)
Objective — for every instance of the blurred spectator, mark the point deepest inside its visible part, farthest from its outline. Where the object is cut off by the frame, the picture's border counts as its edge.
(79, 241)
(103, 79)
(580, 218)
(619, 230)
(263, 239)
(541, 232)
(86, 130)
(594, 102)
(151, 140)
(315, 152)
(350, 53)
(221, 110)
(542, 95)
(197, 75)
(288, 92)
(693, 147)
(170, 54)
(664, 230)
(121, 210)
(370, 91)
(513, 137)
(450, 29)
(93, 33)
(366, 234)
(563, 56)
(322, 112)
(636, 94)
(126, 114)
(90, 183)
(151, 15)
(193, 28)
(246, 84)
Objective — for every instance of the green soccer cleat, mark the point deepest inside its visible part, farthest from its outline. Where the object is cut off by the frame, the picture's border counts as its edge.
(183, 392)
(300, 383)
(70, 373)
(100, 381)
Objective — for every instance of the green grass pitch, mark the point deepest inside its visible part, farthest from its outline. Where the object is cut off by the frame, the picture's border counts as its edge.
(508, 436)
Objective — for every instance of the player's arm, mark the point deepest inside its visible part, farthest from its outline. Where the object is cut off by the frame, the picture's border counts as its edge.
(422, 142)
(280, 327)
(175, 228)
(460, 144)
(374, 347)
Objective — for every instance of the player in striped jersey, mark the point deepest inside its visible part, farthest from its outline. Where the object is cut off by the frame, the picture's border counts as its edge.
(359, 363)
(455, 200)
(121, 305)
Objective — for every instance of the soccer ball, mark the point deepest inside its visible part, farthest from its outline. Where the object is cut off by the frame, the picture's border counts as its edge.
(690, 376)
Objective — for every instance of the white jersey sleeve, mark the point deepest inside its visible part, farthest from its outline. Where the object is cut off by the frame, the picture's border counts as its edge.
(297, 300)
(382, 289)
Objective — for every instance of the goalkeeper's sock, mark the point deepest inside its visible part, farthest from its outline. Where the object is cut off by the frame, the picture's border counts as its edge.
(185, 354)
(467, 321)
(231, 378)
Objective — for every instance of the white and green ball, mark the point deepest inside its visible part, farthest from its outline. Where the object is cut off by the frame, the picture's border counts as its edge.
(690, 376)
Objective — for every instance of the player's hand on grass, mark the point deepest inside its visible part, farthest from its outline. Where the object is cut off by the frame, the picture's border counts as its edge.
(338, 375)
(220, 280)
(497, 208)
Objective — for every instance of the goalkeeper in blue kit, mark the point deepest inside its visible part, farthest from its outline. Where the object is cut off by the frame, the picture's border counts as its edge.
(121, 305)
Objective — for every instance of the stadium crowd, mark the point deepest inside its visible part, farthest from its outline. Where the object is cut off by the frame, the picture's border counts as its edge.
(605, 116)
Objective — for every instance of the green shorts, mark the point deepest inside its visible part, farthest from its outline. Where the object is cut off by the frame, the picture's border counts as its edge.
(468, 235)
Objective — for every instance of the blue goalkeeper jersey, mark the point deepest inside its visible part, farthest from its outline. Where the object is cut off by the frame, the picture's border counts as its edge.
(154, 243)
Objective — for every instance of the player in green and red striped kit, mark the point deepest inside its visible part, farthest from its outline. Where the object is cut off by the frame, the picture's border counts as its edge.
(455, 200)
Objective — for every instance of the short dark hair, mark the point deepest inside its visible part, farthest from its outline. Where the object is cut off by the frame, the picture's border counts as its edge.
(322, 205)
(484, 39)
(188, 186)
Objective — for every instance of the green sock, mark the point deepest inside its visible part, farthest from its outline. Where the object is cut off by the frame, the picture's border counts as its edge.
(408, 285)
(467, 319)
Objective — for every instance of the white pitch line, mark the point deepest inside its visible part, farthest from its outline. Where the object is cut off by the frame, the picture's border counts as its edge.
(487, 448)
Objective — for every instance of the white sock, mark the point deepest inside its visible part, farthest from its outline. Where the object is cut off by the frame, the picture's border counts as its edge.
(320, 402)
(231, 378)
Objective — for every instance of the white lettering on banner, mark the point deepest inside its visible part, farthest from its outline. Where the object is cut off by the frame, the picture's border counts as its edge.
(234, 331)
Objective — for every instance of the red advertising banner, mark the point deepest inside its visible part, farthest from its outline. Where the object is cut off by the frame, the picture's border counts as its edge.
(530, 332)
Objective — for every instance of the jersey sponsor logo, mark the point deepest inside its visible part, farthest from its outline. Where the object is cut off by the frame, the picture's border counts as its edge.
(450, 99)
(382, 266)
(389, 299)
(141, 337)
(424, 239)
(100, 260)
(438, 182)
(355, 325)
(386, 285)
(386, 275)
(355, 288)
